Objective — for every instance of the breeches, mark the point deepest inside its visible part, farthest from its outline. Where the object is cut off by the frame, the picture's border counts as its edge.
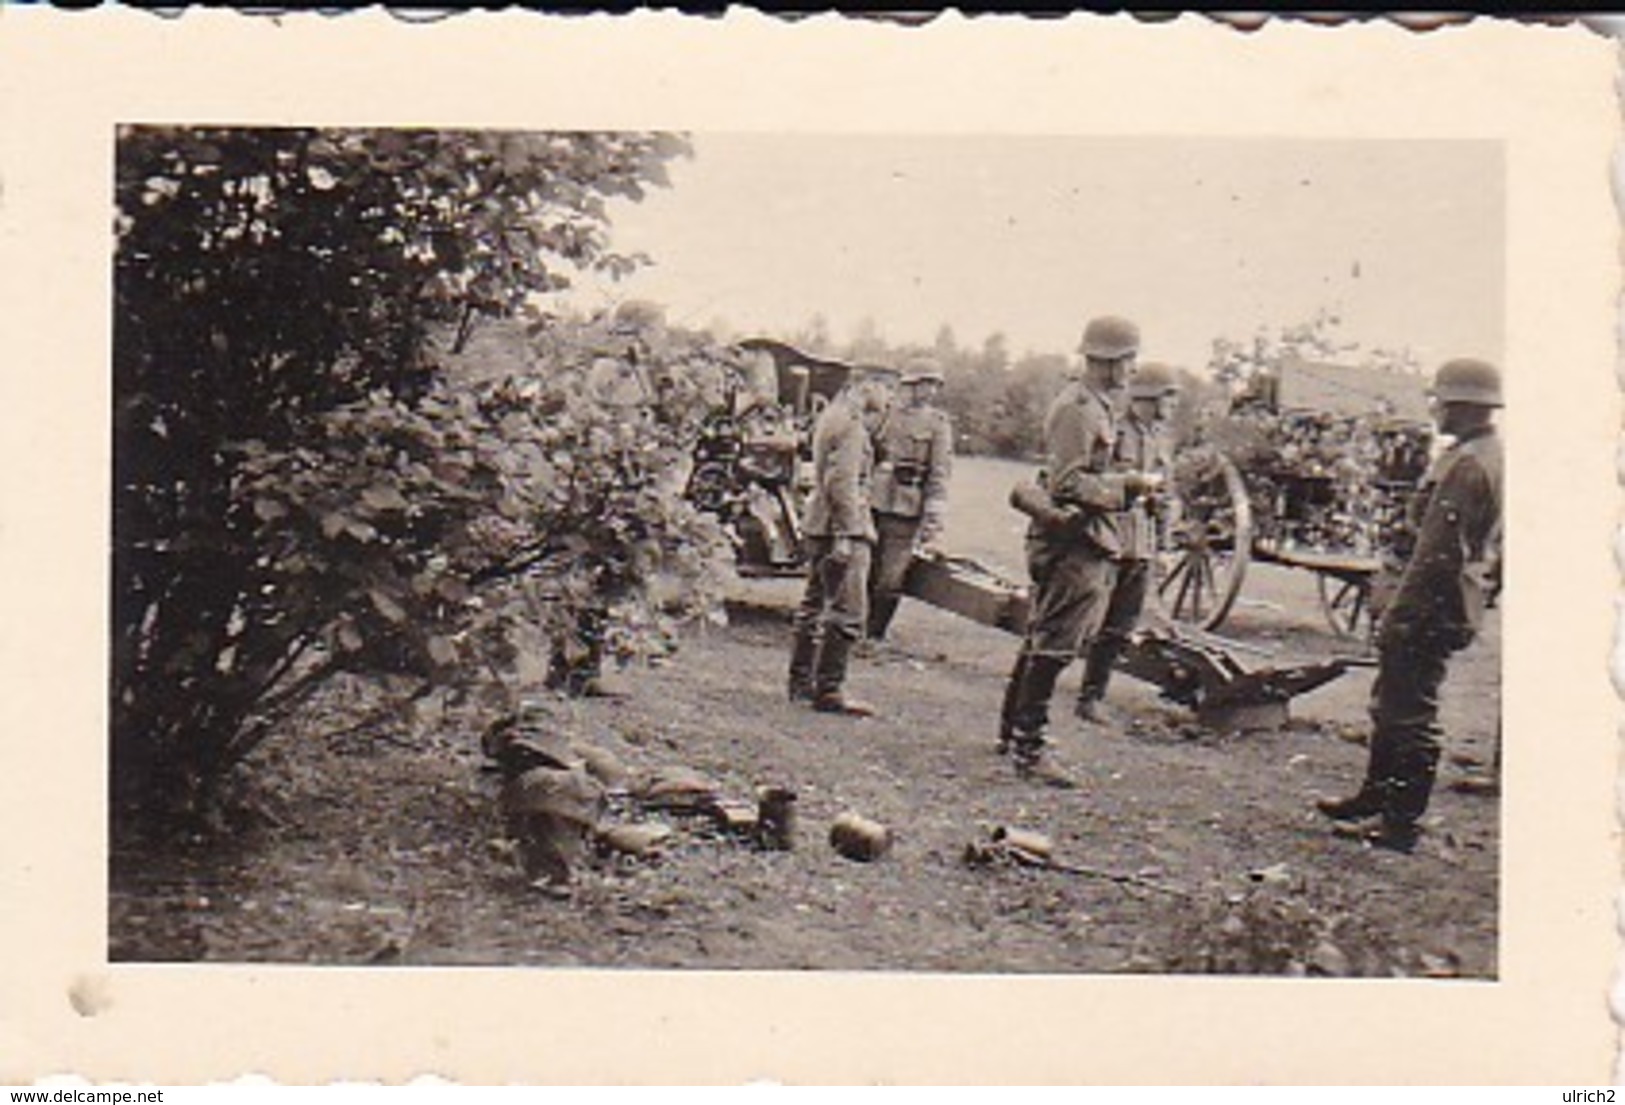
(1133, 580)
(1072, 590)
(837, 594)
(1405, 707)
(893, 553)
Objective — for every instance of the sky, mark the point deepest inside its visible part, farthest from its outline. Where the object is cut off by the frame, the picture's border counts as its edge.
(1029, 236)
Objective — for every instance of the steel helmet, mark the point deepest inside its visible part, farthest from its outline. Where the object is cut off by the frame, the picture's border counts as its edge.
(921, 370)
(1468, 381)
(883, 375)
(1110, 338)
(1152, 381)
(635, 315)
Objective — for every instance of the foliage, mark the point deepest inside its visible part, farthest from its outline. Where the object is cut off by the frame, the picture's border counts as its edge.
(997, 403)
(1322, 481)
(1317, 479)
(1233, 362)
(1269, 930)
(300, 486)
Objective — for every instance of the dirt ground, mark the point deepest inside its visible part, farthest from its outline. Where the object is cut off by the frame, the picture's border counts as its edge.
(1194, 852)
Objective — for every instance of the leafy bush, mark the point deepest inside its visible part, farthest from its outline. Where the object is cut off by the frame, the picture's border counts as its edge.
(1268, 930)
(301, 488)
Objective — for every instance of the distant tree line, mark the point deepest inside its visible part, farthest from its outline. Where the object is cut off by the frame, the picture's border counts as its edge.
(997, 399)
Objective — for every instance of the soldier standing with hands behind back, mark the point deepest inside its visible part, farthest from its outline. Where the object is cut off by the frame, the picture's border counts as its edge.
(840, 532)
(914, 459)
(1435, 610)
(1072, 540)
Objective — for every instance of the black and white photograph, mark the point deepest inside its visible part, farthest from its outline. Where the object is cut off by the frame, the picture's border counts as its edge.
(806, 552)
(621, 550)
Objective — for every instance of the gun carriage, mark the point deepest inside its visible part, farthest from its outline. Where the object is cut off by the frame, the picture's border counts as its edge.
(1327, 472)
(1311, 467)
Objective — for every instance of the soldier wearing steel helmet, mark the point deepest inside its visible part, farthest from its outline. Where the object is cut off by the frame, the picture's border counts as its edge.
(914, 454)
(1436, 606)
(840, 533)
(1071, 551)
(1142, 446)
(618, 379)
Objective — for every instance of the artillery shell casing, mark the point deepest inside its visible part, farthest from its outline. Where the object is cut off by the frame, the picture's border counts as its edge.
(859, 838)
(776, 818)
(635, 840)
(1034, 845)
(740, 818)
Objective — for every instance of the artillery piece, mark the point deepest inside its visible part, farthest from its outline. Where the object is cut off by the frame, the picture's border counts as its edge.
(1191, 667)
(750, 470)
(750, 463)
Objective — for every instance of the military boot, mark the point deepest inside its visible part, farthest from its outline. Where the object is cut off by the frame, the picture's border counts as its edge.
(1032, 765)
(1097, 673)
(1414, 772)
(1007, 711)
(1375, 791)
(828, 698)
(1370, 800)
(803, 660)
(1395, 834)
(882, 609)
(1030, 714)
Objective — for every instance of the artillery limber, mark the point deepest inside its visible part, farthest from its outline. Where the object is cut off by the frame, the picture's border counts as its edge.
(1311, 467)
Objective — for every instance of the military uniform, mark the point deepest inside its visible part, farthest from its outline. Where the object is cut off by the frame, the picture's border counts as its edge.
(1141, 447)
(1435, 609)
(1072, 564)
(614, 381)
(914, 451)
(834, 607)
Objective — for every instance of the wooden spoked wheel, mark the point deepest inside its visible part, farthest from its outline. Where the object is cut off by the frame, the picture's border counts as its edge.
(1209, 545)
(1346, 602)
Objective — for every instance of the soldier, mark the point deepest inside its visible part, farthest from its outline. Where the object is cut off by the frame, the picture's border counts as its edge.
(758, 381)
(617, 380)
(1142, 446)
(1070, 549)
(840, 532)
(914, 453)
(1436, 607)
